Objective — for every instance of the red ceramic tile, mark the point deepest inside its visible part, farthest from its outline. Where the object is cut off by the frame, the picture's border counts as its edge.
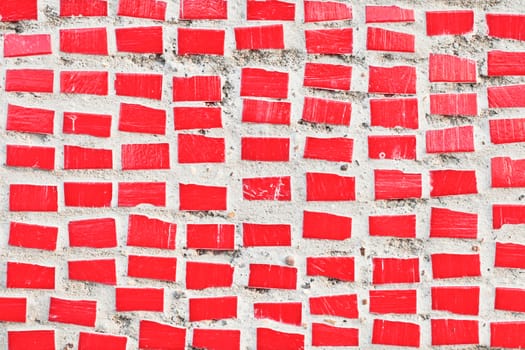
(98, 125)
(88, 341)
(34, 339)
(97, 271)
(29, 276)
(507, 130)
(139, 85)
(327, 76)
(266, 235)
(140, 39)
(139, 299)
(77, 312)
(151, 9)
(339, 41)
(154, 335)
(197, 118)
(18, 45)
(510, 255)
(339, 268)
(395, 184)
(269, 339)
(507, 335)
(338, 149)
(18, 10)
(446, 223)
(503, 63)
(270, 10)
(152, 267)
(396, 333)
(30, 157)
(392, 147)
(400, 226)
(192, 41)
(507, 214)
(318, 225)
(265, 276)
(264, 83)
(149, 156)
(286, 312)
(267, 112)
(88, 194)
(383, 14)
(391, 113)
(454, 332)
(266, 149)
(457, 22)
(198, 9)
(216, 339)
(326, 335)
(395, 270)
(510, 299)
(449, 68)
(87, 158)
(393, 301)
(33, 198)
(31, 120)
(131, 194)
(202, 198)
(329, 187)
(507, 172)
(379, 39)
(141, 119)
(211, 149)
(84, 8)
(201, 275)
(216, 308)
(392, 80)
(29, 80)
(324, 11)
(84, 82)
(260, 37)
(148, 232)
(210, 236)
(13, 309)
(457, 139)
(454, 104)
(510, 96)
(452, 182)
(267, 189)
(455, 265)
(335, 305)
(87, 41)
(506, 26)
(33, 236)
(456, 300)
(93, 233)
(197, 88)
(318, 110)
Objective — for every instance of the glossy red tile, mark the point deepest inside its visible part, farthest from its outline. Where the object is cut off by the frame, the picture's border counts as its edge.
(258, 82)
(456, 300)
(324, 11)
(32, 236)
(268, 339)
(507, 172)
(150, 9)
(18, 10)
(453, 69)
(33, 198)
(267, 112)
(396, 333)
(148, 156)
(87, 41)
(85, 8)
(201, 275)
(335, 305)
(392, 80)
(260, 38)
(454, 104)
(33, 339)
(198, 9)
(453, 182)
(101, 271)
(35, 157)
(453, 22)
(210, 149)
(392, 147)
(327, 76)
(98, 125)
(457, 139)
(265, 276)
(400, 226)
(217, 339)
(142, 119)
(197, 88)
(93, 233)
(391, 113)
(197, 118)
(140, 40)
(506, 26)
(193, 41)
(455, 265)
(326, 335)
(267, 188)
(30, 120)
(29, 80)
(507, 130)
(454, 332)
(29, 276)
(329, 187)
(509, 299)
(266, 235)
(210, 236)
(132, 194)
(139, 85)
(395, 184)
(393, 301)
(503, 63)
(317, 225)
(202, 198)
(339, 268)
(87, 158)
(152, 267)
(338, 149)
(339, 41)
(395, 270)
(507, 334)
(270, 10)
(323, 111)
(510, 255)
(19, 45)
(214, 308)
(379, 39)
(139, 299)
(77, 312)
(154, 335)
(446, 223)
(84, 82)
(384, 14)
(266, 149)
(88, 194)
(147, 232)
(13, 309)
(283, 312)
(510, 96)
(507, 214)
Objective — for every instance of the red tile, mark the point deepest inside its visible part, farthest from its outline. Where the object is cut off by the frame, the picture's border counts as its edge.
(98, 125)
(452, 182)
(159, 336)
(326, 226)
(88, 194)
(192, 41)
(454, 104)
(507, 130)
(267, 188)
(265, 149)
(202, 198)
(449, 68)
(34, 339)
(265, 276)
(18, 45)
(379, 39)
(324, 11)
(33, 198)
(392, 80)
(131, 194)
(88, 341)
(197, 9)
(327, 76)
(446, 223)
(395, 184)
(400, 226)
(318, 110)
(325, 335)
(149, 156)
(260, 37)
(270, 10)
(269, 339)
(339, 41)
(510, 299)
(339, 149)
(507, 173)
(18, 10)
(395, 270)
(454, 332)
(151, 9)
(210, 236)
(84, 8)
(87, 41)
(393, 301)
(264, 83)
(33, 236)
(152, 267)
(84, 82)
(200, 275)
(29, 276)
(510, 255)
(139, 299)
(455, 265)
(93, 233)
(507, 335)
(32, 120)
(29, 80)
(266, 235)
(457, 139)
(391, 113)
(140, 40)
(211, 149)
(339, 268)
(197, 88)
(97, 271)
(268, 112)
(141, 119)
(30, 157)
(510, 96)
(396, 333)
(384, 14)
(285, 312)
(507, 214)
(506, 26)
(77, 312)
(456, 300)
(216, 339)
(13, 309)
(457, 22)
(87, 158)
(503, 63)
(329, 187)
(139, 85)
(335, 305)
(217, 308)
(148, 232)
(392, 147)
(197, 118)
